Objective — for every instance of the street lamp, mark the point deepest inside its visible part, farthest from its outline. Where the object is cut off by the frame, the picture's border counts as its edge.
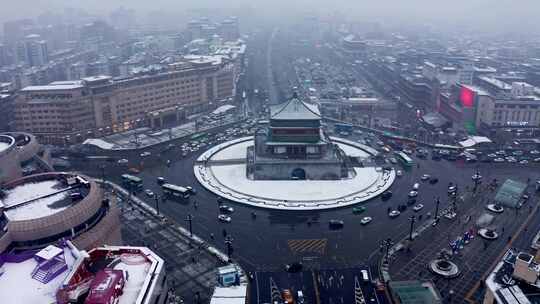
(156, 198)
(386, 244)
(102, 176)
(189, 219)
(412, 219)
(228, 242)
(437, 209)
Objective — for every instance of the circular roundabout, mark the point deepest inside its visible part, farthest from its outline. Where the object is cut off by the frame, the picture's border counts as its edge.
(222, 170)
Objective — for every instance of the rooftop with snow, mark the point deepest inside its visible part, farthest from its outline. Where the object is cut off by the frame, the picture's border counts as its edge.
(35, 276)
(6, 142)
(41, 195)
(115, 274)
(63, 274)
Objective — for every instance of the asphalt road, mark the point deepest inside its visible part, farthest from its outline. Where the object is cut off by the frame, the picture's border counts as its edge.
(274, 238)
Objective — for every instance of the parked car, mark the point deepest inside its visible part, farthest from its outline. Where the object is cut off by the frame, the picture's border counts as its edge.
(149, 193)
(224, 218)
(413, 193)
(145, 154)
(161, 180)
(122, 161)
(425, 177)
(433, 180)
(366, 220)
(399, 173)
(418, 207)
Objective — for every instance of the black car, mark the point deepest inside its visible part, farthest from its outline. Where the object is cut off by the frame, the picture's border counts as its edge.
(433, 180)
(411, 201)
(294, 267)
(336, 224)
(386, 195)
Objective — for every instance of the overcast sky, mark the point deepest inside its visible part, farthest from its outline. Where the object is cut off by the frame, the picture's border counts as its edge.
(517, 14)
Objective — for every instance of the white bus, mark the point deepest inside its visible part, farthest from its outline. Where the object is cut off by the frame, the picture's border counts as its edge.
(171, 190)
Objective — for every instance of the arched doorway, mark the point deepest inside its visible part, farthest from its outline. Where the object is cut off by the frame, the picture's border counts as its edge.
(298, 173)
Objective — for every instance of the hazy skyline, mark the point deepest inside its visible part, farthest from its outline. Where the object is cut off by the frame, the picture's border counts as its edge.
(484, 14)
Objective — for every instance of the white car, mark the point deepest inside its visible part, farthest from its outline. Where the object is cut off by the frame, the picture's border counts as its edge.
(225, 208)
(476, 176)
(413, 193)
(149, 192)
(224, 218)
(450, 215)
(394, 213)
(366, 220)
(399, 173)
(425, 177)
(122, 161)
(145, 154)
(535, 152)
(418, 207)
(499, 160)
(524, 162)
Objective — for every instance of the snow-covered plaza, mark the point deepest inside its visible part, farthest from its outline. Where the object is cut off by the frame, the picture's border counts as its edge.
(222, 170)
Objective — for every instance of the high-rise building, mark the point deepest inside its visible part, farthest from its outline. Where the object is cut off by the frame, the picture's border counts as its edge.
(33, 51)
(229, 29)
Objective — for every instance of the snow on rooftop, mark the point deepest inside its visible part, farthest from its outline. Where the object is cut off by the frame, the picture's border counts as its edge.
(59, 85)
(136, 273)
(474, 140)
(295, 109)
(18, 286)
(100, 143)
(4, 146)
(229, 295)
(49, 252)
(41, 192)
(223, 109)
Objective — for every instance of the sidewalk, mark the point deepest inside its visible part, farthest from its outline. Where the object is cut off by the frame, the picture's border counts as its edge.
(474, 259)
(191, 263)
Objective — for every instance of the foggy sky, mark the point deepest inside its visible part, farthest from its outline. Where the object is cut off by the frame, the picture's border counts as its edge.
(487, 14)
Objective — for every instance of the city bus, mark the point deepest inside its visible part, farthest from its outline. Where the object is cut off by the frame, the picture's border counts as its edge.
(343, 127)
(133, 182)
(199, 136)
(405, 160)
(171, 190)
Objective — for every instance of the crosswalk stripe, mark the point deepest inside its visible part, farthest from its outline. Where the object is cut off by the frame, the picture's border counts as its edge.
(358, 295)
(308, 245)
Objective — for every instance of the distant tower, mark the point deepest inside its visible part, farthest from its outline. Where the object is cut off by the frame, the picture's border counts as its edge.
(33, 51)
